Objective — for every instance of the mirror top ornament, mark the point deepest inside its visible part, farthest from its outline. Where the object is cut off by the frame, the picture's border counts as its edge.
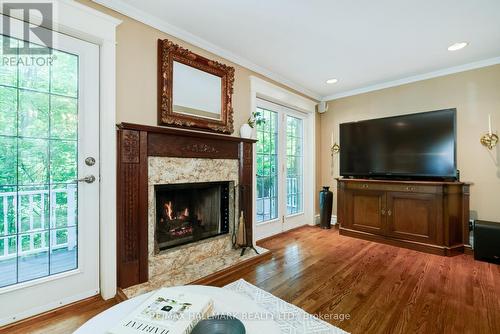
(193, 91)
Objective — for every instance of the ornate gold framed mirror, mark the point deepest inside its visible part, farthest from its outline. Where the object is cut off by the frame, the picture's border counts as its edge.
(193, 91)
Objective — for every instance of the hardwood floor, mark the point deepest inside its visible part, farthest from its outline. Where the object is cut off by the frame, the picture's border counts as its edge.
(62, 321)
(383, 289)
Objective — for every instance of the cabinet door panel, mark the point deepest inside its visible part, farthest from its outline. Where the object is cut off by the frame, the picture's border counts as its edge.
(365, 208)
(413, 216)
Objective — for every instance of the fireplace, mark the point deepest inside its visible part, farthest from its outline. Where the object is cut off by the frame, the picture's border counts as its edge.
(190, 212)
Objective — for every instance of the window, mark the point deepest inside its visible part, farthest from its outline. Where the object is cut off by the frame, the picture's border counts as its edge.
(294, 158)
(267, 167)
(38, 167)
(279, 162)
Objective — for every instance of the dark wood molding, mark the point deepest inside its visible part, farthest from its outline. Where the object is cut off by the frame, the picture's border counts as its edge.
(191, 147)
(143, 210)
(129, 197)
(221, 274)
(182, 132)
(168, 52)
(468, 250)
(138, 142)
(120, 295)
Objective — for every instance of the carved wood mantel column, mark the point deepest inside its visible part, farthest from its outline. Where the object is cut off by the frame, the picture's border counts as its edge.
(135, 144)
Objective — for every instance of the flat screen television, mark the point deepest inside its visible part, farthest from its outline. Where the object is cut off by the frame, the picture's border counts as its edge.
(414, 146)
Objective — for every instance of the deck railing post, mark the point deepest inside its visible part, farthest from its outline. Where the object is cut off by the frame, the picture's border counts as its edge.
(5, 225)
(70, 215)
(48, 225)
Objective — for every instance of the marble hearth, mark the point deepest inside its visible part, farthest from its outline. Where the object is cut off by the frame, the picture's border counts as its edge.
(187, 263)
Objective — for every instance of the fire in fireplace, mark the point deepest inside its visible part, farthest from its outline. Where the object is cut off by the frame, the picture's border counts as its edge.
(190, 212)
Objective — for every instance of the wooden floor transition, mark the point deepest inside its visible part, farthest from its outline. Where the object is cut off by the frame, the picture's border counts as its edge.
(383, 289)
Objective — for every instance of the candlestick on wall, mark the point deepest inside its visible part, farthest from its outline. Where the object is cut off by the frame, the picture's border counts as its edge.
(490, 139)
(335, 148)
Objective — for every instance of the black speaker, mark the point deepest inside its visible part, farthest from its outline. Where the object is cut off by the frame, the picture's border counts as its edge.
(487, 241)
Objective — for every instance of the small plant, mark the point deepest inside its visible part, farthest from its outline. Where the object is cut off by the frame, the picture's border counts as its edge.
(256, 119)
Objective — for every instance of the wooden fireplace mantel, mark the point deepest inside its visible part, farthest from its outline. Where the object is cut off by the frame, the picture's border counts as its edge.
(138, 142)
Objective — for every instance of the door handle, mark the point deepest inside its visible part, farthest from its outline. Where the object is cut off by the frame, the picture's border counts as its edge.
(87, 179)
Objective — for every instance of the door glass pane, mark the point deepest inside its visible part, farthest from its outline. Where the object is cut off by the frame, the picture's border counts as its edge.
(38, 166)
(267, 171)
(294, 165)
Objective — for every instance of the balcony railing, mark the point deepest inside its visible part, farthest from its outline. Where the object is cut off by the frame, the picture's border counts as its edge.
(13, 245)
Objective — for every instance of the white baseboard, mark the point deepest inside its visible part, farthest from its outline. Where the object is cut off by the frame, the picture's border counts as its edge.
(333, 221)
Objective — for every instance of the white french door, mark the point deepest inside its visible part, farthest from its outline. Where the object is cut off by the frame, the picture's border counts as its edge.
(279, 169)
(49, 174)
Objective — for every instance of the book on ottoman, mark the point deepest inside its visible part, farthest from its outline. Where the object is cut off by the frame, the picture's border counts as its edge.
(166, 312)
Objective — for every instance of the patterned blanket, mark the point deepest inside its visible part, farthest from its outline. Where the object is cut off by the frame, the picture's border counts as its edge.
(290, 318)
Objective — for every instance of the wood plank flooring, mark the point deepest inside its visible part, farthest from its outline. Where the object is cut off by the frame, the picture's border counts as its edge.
(62, 321)
(383, 289)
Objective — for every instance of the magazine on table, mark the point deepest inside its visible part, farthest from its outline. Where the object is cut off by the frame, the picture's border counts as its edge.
(166, 312)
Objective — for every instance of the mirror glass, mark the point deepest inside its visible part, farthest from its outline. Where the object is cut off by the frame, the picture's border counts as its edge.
(196, 93)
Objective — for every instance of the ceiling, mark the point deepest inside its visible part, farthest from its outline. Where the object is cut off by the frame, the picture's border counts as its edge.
(365, 44)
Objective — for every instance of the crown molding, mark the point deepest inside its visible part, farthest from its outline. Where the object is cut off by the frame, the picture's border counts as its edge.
(415, 78)
(153, 21)
(157, 23)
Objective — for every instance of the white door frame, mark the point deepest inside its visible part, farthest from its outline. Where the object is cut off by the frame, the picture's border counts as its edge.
(83, 22)
(262, 89)
(48, 292)
(296, 219)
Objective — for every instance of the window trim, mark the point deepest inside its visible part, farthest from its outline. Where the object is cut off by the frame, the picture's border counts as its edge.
(283, 112)
(301, 116)
(260, 88)
(277, 172)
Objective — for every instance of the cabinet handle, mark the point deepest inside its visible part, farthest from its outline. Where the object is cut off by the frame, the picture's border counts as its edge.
(410, 188)
(365, 186)
(389, 212)
(383, 212)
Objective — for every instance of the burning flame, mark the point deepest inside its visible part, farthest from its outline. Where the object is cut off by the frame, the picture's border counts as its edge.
(169, 211)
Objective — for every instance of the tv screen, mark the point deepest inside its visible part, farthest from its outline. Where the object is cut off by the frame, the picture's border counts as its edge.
(419, 145)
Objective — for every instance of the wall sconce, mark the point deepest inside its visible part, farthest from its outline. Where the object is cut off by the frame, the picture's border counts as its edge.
(335, 148)
(490, 139)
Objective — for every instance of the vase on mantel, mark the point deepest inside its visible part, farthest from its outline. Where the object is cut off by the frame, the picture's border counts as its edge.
(246, 131)
(325, 207)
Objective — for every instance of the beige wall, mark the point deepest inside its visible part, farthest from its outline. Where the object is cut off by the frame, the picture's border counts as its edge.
(136, 68)
(474, 93)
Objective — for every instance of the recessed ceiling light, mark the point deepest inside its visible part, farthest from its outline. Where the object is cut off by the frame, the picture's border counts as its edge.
(457, 46)
(332, 81)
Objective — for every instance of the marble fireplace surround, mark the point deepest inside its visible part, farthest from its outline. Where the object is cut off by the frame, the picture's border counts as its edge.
(149, 155)
(166, 170)
(187, 263)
